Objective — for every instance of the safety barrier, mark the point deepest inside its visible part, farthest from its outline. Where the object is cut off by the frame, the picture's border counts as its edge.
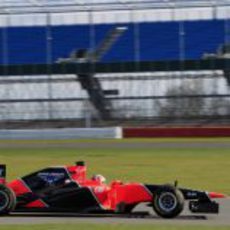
(112, 133)
(177, 132)
(62, 134)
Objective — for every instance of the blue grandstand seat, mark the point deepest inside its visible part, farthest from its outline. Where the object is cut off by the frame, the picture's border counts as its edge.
(158, 41)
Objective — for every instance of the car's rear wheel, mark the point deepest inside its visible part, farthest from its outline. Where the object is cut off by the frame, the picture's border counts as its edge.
(168, 201)
(7, 200)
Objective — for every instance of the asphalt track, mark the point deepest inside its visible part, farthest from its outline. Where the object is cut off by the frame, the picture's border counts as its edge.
(186, 218)
(113, 144)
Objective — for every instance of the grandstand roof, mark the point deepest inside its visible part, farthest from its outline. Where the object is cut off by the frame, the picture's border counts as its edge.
(32, 6)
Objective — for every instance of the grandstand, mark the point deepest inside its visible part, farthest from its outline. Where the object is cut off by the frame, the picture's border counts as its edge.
(157, 41)
(40, 32)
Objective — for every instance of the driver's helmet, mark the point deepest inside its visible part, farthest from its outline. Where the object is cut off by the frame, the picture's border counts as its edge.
(99, 178)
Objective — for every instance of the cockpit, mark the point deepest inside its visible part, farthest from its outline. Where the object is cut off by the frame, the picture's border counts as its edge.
(56, 177)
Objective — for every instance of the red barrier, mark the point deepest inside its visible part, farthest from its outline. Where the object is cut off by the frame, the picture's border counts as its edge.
(177, 132)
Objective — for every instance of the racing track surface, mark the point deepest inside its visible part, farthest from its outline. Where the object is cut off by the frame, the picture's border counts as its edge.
(186, 217)
(215, 143)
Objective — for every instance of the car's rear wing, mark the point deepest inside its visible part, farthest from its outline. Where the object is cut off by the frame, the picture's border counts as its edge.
(2, 174)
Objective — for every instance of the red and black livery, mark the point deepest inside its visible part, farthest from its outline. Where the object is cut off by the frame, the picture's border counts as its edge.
(67, 189)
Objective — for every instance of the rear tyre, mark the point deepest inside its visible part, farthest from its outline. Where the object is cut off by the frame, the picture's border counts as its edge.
(168, 201)
(7, 200)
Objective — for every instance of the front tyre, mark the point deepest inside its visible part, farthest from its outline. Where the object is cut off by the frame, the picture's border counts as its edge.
(168, 201)
(7, 200)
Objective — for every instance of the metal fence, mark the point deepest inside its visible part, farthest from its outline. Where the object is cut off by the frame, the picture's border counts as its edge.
(110, 64)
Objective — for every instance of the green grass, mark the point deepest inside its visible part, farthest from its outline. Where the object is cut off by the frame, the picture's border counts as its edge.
(109, 227)
(201, 168)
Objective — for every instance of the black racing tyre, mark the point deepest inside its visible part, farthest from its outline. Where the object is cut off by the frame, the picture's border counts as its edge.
(168, 201)
(7, 200)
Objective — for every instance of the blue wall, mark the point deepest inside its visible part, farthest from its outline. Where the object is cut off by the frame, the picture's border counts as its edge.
(158, 41)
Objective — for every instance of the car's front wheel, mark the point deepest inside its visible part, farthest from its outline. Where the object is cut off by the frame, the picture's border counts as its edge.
(168, 201)
(7, 200)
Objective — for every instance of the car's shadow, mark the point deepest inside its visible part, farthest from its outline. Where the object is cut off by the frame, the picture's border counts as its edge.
(134, 215)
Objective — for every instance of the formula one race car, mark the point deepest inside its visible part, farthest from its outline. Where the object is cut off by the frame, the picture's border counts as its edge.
(66, 189)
